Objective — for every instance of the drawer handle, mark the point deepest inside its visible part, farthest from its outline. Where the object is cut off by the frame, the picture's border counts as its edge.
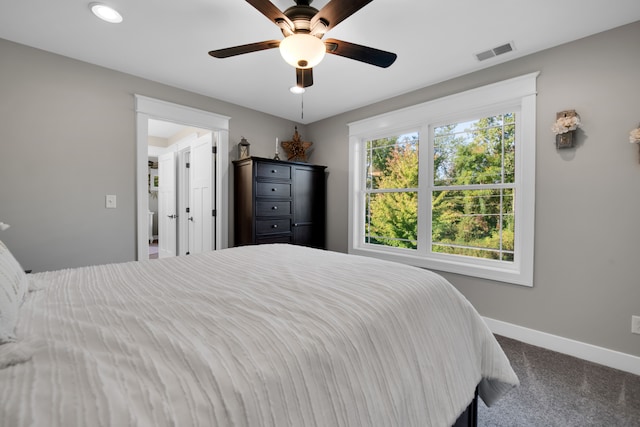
(274, 170)
(274, 226)
(273, 189)
(275, 208)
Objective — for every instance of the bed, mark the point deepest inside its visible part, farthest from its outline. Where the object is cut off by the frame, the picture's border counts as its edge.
(269, 335)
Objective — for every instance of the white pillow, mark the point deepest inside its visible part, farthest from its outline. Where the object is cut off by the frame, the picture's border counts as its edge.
(13, 287)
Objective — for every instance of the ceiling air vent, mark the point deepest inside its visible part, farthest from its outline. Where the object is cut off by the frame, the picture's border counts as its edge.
(494, 52)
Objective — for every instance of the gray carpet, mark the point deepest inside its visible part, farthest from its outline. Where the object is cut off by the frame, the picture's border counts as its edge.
(560, 390)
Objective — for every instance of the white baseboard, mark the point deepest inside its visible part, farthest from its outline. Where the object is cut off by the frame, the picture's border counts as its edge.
(600, 355)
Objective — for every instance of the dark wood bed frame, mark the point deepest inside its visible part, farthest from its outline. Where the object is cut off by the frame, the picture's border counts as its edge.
(469, 418)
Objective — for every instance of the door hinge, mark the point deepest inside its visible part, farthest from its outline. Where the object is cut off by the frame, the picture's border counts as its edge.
(213, 212)
(188, 210)
(214, 149)
(188, 165)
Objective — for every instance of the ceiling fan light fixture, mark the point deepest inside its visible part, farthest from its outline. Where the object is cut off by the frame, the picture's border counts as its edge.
(106, 13)
(302, 50)
(297, 90)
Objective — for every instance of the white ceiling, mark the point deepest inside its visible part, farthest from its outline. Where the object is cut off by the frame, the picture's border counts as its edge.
(168, 40)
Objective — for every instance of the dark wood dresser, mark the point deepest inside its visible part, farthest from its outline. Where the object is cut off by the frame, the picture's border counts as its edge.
(279, 202)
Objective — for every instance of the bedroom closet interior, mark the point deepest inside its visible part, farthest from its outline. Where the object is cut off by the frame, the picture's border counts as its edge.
(181, 189)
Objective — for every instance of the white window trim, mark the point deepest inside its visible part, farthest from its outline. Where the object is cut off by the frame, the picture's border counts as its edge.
(517, 93)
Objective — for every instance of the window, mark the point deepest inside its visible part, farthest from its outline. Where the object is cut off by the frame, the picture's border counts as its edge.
(391, 206)
(449, 184)
(472, 195)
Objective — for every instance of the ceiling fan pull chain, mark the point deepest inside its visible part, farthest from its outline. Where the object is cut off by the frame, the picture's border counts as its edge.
(302, 106)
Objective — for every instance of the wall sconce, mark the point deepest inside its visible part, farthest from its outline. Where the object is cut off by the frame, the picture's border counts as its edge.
(3, 226)
(566, 123)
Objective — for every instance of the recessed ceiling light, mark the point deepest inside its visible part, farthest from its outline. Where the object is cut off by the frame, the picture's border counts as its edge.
(106, 13)
(297, 89)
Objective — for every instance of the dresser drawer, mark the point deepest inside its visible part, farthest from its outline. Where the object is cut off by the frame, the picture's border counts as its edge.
(273, 238)
(273, 170)
(265, 226)
(273, 208)
(273, 189)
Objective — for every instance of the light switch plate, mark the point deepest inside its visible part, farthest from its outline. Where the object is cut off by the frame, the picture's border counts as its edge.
(110, 201)
(635, 324)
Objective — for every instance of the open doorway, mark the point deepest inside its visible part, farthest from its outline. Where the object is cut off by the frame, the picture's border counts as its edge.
(176, 225)
(153, 114)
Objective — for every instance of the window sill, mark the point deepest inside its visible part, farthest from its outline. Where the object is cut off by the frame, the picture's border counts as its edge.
(484, 269)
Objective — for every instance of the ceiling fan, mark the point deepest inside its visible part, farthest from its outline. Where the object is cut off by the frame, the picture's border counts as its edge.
(303, 27)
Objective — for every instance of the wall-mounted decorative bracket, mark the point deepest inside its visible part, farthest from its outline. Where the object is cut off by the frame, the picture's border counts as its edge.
(566, 123)
(564, 140)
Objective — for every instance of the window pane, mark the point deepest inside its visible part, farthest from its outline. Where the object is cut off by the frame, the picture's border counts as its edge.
(392, 162)
(392, 219)
(477, 223)
(476, 152)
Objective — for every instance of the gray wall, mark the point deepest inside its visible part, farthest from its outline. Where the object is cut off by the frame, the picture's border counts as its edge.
(587, 273)
(67, 138)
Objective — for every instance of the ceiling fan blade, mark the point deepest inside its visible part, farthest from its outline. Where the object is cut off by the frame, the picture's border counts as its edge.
(274, 14)
(377, 57)
(245, 48)
(337, 11)
(304, 77)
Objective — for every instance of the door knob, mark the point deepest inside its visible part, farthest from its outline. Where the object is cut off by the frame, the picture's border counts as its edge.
(190, 218)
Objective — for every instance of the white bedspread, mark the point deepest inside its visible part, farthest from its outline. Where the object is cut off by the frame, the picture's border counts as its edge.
(271, 335)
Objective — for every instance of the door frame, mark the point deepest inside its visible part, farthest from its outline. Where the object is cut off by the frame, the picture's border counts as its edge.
(149, 108)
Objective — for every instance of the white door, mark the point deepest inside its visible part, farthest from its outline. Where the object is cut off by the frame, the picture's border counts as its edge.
(184, 192)
(167, 205)
(201, 195)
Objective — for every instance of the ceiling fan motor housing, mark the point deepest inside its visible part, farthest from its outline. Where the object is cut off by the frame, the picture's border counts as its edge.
(302, 49)
(301, 15)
